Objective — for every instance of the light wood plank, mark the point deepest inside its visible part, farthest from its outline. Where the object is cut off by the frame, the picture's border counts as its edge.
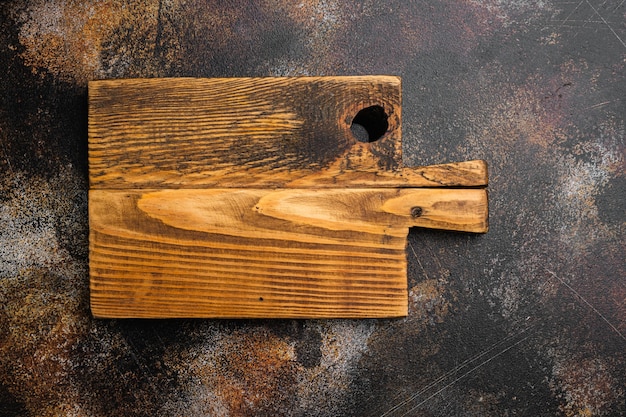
(259, 253)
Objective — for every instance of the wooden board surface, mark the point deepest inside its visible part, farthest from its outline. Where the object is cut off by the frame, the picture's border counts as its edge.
(256, 197)
(260, 253)
(252, 132)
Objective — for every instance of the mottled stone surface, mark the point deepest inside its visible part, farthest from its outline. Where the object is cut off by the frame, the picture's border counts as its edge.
(527, 320)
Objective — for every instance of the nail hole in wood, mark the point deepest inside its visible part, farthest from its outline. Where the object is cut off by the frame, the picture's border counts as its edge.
(370, 124)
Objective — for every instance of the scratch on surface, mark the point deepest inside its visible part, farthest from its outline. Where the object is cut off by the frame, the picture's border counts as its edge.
(455, 370)
(604, 103)
(595, 12)
(571, 13)
(569, 287)
(607, 24)
(432, 254)
(463, 376)
(418, 260)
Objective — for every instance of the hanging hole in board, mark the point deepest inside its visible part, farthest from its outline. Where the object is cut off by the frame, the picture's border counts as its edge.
(370, 124)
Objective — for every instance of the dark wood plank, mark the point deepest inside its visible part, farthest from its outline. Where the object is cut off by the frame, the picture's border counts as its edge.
(251, 132)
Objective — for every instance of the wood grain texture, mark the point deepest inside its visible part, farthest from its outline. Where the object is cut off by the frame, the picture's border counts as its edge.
(259, 253)
(251, 132)
(252, 197)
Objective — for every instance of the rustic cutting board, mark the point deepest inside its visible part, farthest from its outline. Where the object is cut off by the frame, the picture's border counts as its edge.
(260, 197)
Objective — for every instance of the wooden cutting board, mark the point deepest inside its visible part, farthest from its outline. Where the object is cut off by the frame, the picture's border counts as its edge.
(260, 197)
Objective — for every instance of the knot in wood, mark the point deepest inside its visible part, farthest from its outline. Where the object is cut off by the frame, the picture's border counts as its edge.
(416, 211)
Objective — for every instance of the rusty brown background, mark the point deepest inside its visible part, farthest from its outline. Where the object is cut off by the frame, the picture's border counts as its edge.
(528, 320)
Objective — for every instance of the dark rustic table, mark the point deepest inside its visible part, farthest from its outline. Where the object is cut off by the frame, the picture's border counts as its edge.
(527, 320)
